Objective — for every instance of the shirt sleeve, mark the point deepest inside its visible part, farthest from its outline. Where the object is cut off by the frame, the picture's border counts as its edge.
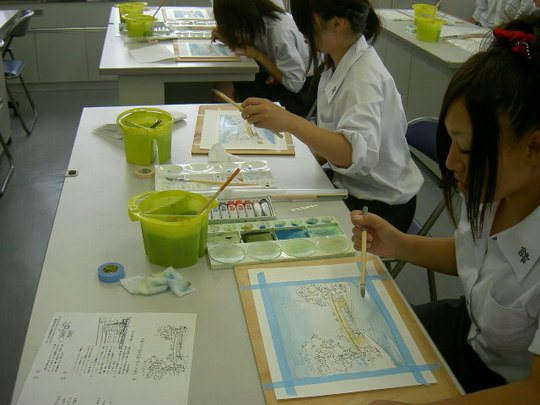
(360, 122)
(480, 9)
(285, 48)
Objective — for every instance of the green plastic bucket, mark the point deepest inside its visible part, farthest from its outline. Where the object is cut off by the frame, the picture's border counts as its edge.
(141, 127)
(139, 25)
(423, 11)
(130, 8)
(428, 29)
(172, 234)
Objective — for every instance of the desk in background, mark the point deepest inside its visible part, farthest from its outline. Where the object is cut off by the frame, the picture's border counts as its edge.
(421, 70)
(92, 227)
(144, 83)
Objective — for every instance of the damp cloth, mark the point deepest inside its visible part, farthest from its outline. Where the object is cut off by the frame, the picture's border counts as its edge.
(218, 154)
(157, 283)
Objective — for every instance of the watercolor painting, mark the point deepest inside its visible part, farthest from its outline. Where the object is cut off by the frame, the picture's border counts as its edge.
(198, 51)
(321, 337)
(234, 130)
(208, 50)
(187, 13)
(229, 129)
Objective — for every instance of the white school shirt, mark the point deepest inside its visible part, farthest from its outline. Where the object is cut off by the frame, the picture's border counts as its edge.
(285, 46)
(360, 100)
(490, 13)
(501, 277)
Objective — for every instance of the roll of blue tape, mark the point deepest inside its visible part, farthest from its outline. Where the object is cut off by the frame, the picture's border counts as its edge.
(110, 272)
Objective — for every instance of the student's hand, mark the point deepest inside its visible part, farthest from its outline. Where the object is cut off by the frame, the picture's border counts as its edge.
(382, 237)
(265, 114)
(216, 36)
(249, 51)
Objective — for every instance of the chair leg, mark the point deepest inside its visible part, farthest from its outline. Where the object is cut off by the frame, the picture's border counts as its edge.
(432, 285)
(11, 165)
(27, 128)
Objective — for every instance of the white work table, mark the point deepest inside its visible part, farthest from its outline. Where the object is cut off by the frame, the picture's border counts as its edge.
(144, 83)
(92, 227)
(421, 70)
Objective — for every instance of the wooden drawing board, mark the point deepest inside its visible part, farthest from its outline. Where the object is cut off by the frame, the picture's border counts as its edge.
(197, 150)
(446, 387)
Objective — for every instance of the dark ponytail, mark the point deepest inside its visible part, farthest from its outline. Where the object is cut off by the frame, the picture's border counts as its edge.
(360, 14)
(500, 88)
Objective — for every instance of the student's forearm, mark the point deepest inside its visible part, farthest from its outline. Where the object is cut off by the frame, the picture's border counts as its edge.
(331, 146)
(437, 254)
(269, 66)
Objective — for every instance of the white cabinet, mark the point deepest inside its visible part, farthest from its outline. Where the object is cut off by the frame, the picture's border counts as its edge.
(64, 41)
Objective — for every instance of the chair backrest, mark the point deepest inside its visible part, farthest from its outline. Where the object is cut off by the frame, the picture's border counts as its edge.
(22, 24)
(19, 29)
(421, 135)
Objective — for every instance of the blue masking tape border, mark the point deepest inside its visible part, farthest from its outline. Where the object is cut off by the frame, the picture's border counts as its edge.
(110, 272)
(341, 377)
(276, 337)
(290, 384)
(395, 332)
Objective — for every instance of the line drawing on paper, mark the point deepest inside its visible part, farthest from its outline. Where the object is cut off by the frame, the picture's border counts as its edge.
(174, 363)
(233, 131)
(348, 348)
(112, 331)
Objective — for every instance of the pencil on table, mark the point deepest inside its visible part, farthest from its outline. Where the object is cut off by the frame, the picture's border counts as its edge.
(363, 256)
(238, 106)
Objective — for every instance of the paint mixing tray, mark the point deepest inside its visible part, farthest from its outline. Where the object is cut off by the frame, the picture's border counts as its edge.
(254, 174)
(242, 210)
(240, 243)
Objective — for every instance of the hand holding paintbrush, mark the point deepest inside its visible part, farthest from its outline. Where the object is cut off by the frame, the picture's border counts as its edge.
(239, 108)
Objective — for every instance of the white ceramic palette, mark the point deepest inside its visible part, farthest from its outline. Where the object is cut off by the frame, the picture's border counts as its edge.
(240, 243)
(208, 177)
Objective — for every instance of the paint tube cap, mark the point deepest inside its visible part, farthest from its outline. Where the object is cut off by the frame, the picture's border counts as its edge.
(110, 272)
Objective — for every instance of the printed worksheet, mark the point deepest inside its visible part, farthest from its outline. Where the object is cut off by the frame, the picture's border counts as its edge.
(112, 359)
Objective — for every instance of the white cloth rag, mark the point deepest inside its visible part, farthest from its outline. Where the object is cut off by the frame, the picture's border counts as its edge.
(218, 154)
(157, 283)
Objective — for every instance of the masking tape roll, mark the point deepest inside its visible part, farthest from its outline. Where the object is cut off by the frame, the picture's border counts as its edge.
(110, 272)
(144, 172)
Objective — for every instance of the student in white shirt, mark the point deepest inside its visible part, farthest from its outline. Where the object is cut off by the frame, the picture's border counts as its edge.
(265, 32)
(490, 13)
(488, 145)
(361, 124)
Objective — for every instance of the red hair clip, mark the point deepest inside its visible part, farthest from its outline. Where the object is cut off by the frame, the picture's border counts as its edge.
(520, 42)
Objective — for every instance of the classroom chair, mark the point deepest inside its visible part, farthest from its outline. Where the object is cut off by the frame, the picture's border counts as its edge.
(13, 69)
(11, 165)
(421, 134)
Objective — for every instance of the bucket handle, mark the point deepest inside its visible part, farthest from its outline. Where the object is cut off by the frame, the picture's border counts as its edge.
(133, 205)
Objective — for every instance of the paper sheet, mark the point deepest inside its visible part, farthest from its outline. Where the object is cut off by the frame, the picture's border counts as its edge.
(152, 53)
(321, 337)
(112, 359)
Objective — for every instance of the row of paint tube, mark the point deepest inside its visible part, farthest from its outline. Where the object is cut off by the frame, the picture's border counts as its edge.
(241, 209)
